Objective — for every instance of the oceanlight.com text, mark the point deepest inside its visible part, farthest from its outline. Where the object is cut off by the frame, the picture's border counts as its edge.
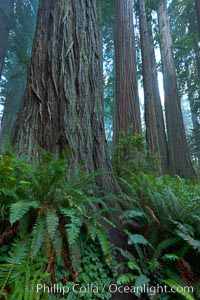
(113, 288)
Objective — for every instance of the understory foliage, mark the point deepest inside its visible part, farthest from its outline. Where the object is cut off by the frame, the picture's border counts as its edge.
(53, 229)
(162, 224)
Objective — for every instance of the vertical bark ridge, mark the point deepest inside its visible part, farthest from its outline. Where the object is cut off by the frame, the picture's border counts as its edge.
(162, 139)
(150, 115)
(63, 103)
(127, 100)
(179, 158)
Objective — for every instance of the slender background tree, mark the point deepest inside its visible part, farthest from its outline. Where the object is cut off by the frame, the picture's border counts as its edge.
(179, 158)
(150, 115)
(6, 12)
(16, 66)
(127, 110)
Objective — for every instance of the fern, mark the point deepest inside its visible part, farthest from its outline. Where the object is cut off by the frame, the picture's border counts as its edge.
(105, 246)
(171, 257)
(127, 255)
(57, 244)
(19, 209)
(74, 255)
(163, 245)
(73, 224)
(13, 266)
(38, 236)
(125, 278)
(139, 284)
(186, 233)
(179, 289)
(135, 239)
(132, 214)
(52, 221)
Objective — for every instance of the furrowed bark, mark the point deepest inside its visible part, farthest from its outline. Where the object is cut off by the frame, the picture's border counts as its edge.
(127, 113)
(63, 102)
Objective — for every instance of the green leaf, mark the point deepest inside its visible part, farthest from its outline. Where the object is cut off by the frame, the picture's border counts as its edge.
(52, 221)
(137, 239)
(139, 284)
(39, 234)
(134, 266)
(19, 209)
(125, 278)
(170, 257)
(180, 289)
(165, 244)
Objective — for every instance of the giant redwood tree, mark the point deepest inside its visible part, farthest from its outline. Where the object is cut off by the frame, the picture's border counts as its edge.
(150, 116)
(179, 158)
(127, 111)
(6, 10)
(62, 106)
(155, 128)
(162, 139)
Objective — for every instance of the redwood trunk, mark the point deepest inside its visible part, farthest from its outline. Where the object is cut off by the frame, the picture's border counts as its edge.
(127, 114)
(197, 2)
(6, 10)
(162, 139)
(63, 104)
(11, 107)
(179, 159)
(150, 116)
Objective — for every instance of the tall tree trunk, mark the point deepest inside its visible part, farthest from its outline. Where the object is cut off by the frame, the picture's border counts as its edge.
(162, 139)
(127, 112)
(197, 2)
(194, 97)
(6, 10)
(11, 106)
(150, 116)
(179, 158)
(63, 104)
(17, 64)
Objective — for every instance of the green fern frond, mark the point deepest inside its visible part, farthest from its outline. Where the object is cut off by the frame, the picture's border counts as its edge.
(139, 284)
(180, 289)
(52, 221)
(73, 230)
(13, 266)
(189, 239)
(163, 245)
(106, 220)
(127, 214)
(125, 278)
(171, 257)
(19, 209)
(57, 244)
(127, 255)
(137, 239)
(18, 254)
(74, 255)
(39, 234)
(105, 246)
(73, 226)
(186, 233)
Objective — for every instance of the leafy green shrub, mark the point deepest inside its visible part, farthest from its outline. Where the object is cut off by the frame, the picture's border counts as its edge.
(53, 215)
(163, 218)
(131, 156)
(94, 275)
